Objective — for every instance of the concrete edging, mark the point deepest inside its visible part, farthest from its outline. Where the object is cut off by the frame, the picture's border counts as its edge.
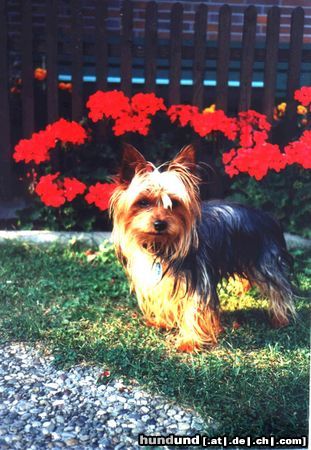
(97, 237)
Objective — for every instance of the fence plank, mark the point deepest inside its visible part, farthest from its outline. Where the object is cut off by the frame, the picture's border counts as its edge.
(27, 94)
(175, 53)
(223, 57)
(101, 44)
(51, 60)
(248, 50)
(126, 47)
(294, 61)
(150, 52)
(271, 61)
(76, 64)
(199, 55)
(5, 125)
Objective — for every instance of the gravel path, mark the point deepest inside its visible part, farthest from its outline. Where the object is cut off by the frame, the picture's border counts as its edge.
(44, 408)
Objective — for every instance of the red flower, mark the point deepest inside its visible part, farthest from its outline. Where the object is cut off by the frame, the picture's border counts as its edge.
(256, 161)
(183, 113)
(129, 116)
(303, 95)
(107, 105)
(65, 87)
(299, 152)
(54, 192)
(203, 123)
(49, 191)
(100, 194)
(65, 131)
(72, 188)
(227, 157)
(40, 74)
(37, 148)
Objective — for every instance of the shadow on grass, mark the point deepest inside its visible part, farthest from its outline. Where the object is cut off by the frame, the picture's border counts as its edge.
(255, 382)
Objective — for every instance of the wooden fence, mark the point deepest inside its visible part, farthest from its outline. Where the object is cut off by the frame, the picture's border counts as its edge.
(148, 57)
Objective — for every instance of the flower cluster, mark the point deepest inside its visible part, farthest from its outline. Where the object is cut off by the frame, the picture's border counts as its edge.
(204, 122)
(303, 96)
(54, 192)
(130, 115)
(254, 155)
(251, 152)
(37, 148)
(299, 152)
(100, 194)
(256, 161)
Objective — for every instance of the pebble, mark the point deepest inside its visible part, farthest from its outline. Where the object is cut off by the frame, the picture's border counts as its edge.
(45, 408)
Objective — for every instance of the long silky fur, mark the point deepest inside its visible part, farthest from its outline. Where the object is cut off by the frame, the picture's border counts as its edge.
(218, 239)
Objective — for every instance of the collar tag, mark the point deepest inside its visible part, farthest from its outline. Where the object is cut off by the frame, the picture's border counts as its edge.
(157, 272)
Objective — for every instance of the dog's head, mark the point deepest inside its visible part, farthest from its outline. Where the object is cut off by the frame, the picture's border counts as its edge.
(157, 208)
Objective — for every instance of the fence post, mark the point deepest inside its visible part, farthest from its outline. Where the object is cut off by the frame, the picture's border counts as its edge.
(126, 47)
(223, 57)
(175, 53)
(101, 45)
(150, 53)
(27, 93)
(294, 60)
(199, 55)
(51, 61)
(271, 61)
(6, 172)
(247, 60)
(76, 61)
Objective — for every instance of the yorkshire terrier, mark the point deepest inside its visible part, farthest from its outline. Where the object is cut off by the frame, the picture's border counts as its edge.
(176, 249)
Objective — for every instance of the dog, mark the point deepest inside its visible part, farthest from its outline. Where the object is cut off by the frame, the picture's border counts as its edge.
(176, 249)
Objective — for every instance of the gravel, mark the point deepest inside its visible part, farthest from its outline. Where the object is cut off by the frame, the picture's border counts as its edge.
(45, 408)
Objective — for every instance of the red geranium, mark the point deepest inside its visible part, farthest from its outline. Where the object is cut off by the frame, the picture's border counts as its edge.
(303, 95)
(203, 123)
(299, 152)
(37, 148)
(129, 115)
(100, 194)
(54, 192)
(107, 105)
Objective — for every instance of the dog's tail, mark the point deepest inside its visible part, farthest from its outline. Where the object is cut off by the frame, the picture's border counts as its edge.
(274, 280)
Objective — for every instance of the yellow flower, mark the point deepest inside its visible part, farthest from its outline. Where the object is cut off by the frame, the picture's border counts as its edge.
(302, 110)
(282, 107)
(210, 109)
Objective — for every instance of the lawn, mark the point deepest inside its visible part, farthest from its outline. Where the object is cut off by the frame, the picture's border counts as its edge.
(255, 382)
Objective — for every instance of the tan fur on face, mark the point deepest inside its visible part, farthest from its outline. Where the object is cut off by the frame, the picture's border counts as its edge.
(133, 223)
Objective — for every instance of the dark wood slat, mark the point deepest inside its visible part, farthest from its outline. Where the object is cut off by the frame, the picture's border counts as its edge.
(248, 47)
(223, 57)
(175, 53)
(126, 47)
(101, 47)
(27, 70)
(294, 62)
(163, 51)
(51, 60)
(5, 125)
(199, 55)
(271, 61)
(151, 46)
(77, 55)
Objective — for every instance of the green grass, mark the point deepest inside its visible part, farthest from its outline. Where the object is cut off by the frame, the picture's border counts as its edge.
(255, 382)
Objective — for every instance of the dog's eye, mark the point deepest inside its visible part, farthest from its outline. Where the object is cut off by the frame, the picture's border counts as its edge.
(175, 203)
(144, 203)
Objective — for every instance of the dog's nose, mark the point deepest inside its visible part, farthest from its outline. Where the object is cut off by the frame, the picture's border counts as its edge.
(160, 225)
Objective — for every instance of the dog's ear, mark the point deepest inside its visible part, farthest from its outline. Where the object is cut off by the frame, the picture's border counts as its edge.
(132, 162)
(186, 157)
